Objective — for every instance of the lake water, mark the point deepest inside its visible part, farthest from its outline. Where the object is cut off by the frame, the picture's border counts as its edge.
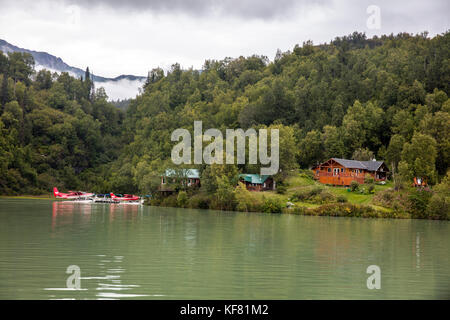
(140, 252)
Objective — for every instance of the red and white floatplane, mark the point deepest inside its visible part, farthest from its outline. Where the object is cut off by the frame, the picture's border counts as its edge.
(87, 197)
(78, 196)
(127, 199)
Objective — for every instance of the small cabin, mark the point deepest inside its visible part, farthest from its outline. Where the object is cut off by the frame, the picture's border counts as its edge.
(187, 177)
(337, 171)
(256, 182)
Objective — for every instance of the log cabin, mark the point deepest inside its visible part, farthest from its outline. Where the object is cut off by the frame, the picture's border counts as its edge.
(337, 171)
(256, 182)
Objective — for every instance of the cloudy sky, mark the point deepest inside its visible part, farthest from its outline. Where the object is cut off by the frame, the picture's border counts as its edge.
(116, 37)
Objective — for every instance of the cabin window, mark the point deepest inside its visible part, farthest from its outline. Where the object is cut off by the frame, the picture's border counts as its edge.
(163, 180)
(342, 169)
(329, 169)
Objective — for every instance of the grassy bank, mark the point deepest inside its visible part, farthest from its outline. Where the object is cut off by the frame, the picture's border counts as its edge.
(35, 197)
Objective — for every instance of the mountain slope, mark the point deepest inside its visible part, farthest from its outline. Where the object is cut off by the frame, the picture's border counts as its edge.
(121, 87)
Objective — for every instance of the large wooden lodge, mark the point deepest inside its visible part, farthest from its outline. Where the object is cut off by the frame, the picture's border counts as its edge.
(337, 171)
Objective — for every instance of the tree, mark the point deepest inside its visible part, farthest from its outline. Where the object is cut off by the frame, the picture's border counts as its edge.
(362, 125)
(88, 83)
(12, 115)
(224, 195)
(182, 199)
(333, 142)
(287, 148)
(21, 66)
(420, 155)
(211, 173)
(394, 150)
(4, 95)
(363, 154)
(154, 75)
(44, 79)
(100, 94)
(4, 63)
(438, 127)
(439, 205)
(147, 175)
(403, 124)
(311, 149)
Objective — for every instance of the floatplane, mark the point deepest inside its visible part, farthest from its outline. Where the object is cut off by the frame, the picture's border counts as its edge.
(86, 197)
(79, 196)
(127, 199)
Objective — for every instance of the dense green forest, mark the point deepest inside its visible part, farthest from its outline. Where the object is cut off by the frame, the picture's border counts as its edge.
(384, 97)
(55, 129)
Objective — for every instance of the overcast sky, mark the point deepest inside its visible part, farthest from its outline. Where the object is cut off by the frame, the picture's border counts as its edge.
(116, 37)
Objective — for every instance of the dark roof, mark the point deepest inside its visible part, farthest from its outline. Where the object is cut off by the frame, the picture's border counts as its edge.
(372, 165)
(356, 164)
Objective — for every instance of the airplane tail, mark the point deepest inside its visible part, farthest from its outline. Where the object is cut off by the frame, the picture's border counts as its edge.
(55, 191)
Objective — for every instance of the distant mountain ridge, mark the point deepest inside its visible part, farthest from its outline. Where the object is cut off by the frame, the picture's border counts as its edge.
(49, 61)
(120, 87)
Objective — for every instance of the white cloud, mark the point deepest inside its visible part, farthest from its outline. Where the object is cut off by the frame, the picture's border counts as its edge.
(132, 41)
(121, 89)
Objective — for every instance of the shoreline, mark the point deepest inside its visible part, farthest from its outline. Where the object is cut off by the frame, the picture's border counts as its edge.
(331, 210)
(349, 210)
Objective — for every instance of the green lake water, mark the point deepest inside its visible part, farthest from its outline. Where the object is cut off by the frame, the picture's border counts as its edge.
(141, 252)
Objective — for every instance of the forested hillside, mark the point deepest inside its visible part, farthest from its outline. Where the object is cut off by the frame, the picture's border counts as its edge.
(54, 130)
(355, 97)
(385, 97)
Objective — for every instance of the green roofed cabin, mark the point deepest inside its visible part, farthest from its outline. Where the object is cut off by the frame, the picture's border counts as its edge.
(256, 182)
(188, 177)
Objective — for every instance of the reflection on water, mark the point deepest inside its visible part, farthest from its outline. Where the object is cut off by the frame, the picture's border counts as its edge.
(139, 252)
(108, 272)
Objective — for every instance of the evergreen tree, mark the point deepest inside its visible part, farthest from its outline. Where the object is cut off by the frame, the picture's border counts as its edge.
(87, 84)
(4, 95)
